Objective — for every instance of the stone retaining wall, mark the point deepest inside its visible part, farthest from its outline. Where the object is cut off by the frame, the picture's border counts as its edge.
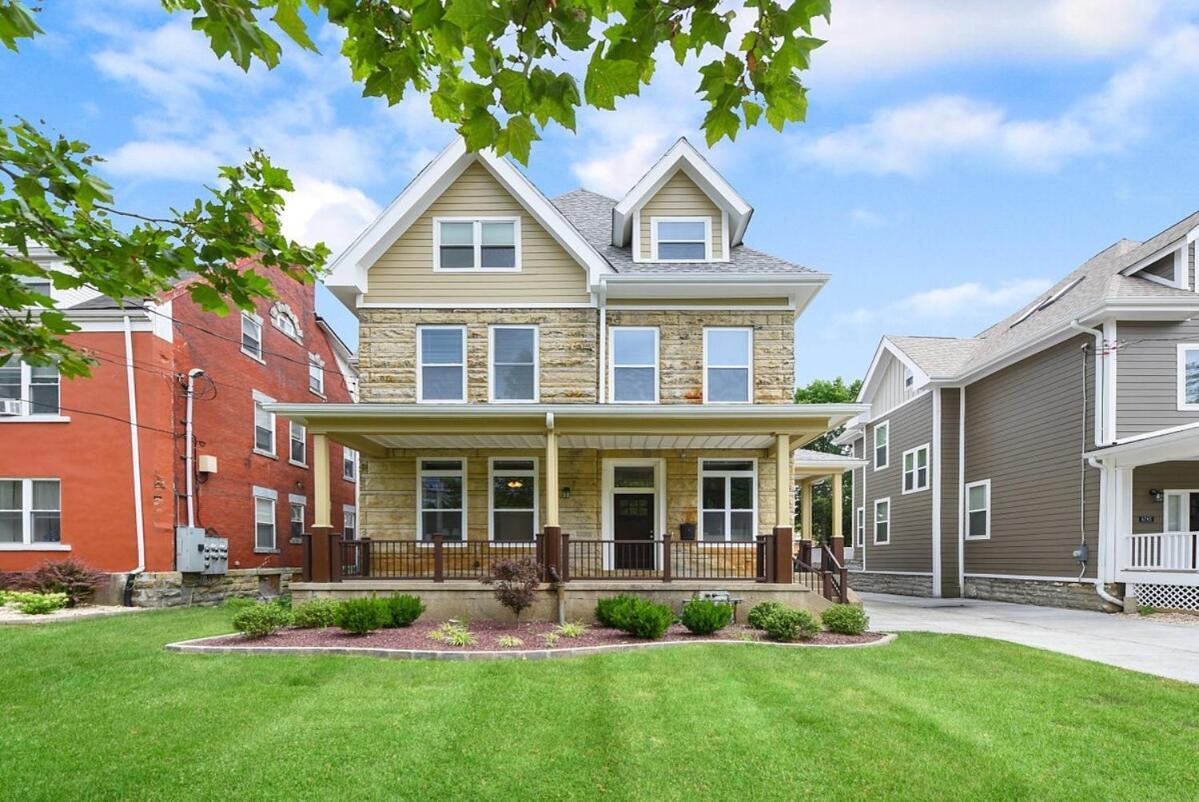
(902, 584)
(1072, 595)
(175, 589)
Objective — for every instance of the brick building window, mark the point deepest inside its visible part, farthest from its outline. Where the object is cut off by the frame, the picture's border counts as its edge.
(30, 511)
(251, 335)
(298, 505)
(316, 375)
(35, 389)
(264, 426)
(349, 464)
(349, 523)
(264, 519)
(298, 446)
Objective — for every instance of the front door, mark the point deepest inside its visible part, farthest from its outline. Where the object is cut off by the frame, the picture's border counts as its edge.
(633, 530)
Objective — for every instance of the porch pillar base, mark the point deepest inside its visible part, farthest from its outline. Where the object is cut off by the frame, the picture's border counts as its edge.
(784, 569)
(323, 564)
(552, 569)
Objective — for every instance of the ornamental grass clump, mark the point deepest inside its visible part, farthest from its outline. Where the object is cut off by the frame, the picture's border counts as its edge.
(261, 620)
(360, 616)
(453, 633)
(845, 619)
(403, 609)
(571, 629)
(705, 616)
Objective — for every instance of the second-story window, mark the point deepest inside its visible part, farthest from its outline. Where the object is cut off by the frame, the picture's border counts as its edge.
(264, 426)
(728, 365)
(476, 244)
(634, 365)
(681, 239)
(514, 363)
(441, 372)
(1188, 376)
(298, 449)
(31, 389)
(349, 464)
(251, 335)
(882, 445)
(316, 375)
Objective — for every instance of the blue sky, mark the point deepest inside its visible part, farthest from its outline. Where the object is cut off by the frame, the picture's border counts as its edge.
(958, 157)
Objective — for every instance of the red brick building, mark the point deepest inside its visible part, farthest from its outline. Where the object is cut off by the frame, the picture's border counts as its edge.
(69, 448)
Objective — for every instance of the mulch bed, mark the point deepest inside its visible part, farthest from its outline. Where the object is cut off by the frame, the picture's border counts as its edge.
(488, 633)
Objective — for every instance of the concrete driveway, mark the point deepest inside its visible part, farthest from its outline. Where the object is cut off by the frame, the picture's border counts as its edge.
(1165, 649)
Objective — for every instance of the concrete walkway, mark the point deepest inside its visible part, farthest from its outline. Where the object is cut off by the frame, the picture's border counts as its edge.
(1165, 649)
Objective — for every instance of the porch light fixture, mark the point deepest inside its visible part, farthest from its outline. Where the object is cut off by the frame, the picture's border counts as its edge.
(1157, 495)
(565, 492)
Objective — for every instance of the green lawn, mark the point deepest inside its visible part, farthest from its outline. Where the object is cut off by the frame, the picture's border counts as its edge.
(97, 709)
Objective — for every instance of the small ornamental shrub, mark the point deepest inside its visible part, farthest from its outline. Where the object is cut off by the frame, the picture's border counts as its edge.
(515, 583)
(845, 619)
(760, 612)
(550, 639)
(571, 629)
(642, 618)
(510, 642)
(315, 614)
(40, 603)
(360, 616)
(261, 620)
(791, 625)
(610, 610)
(453, 633)
(71, 577)
(403, 609)
(705, 616)
(1146, 609)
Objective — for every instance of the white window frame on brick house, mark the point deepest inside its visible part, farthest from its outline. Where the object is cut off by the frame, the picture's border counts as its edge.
(316, 375)
(254, 322)
(492, 364)
(513, 474)
(615, 367)
(296, 502)
(1185, 404)
(27, 514)
(885, 520)
(655, 238)
(421, 364)
(349, 464)
(297, 438)
(477, 244)
(885, 428)
(971, 509)
(421, 472)
(911, 458)
(717, 468)
(260, 399)
(747, 365)
(265, 499)
(286, 321)
(25, 383)
(349, 522)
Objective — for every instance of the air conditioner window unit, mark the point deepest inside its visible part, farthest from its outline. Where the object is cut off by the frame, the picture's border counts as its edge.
(12, 406)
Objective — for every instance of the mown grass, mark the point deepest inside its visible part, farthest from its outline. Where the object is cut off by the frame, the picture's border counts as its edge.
(97, 709)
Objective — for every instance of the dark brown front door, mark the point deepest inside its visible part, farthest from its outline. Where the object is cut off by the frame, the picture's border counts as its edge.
(633, 521)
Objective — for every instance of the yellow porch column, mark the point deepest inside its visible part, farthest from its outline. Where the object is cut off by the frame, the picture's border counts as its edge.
(838, 504)
(320, 478)
(805, 509)
(784, 489)
(551, 478)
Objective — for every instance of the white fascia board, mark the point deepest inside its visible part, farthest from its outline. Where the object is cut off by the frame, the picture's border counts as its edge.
(885, 346)
(683, 155)
(798, 288)
(1165, 250)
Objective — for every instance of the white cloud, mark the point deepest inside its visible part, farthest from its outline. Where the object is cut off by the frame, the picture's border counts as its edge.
(183, 161)
(866, 217)
(324, 211)
(969, 299)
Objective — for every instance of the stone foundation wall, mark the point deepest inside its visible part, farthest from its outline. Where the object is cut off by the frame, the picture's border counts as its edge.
(901, 584)
(1072, 595)
(175, 589)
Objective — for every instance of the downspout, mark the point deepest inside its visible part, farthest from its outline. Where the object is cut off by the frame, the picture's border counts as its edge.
(190, 448)
(135, 450)
(1099, 589)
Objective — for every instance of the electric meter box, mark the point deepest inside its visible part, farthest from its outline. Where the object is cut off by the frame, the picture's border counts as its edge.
(197, 553)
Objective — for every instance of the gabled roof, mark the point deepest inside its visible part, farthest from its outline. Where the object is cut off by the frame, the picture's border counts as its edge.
(937, 357)
(682, 155)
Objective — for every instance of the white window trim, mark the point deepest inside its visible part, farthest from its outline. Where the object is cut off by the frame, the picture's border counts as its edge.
(281, 311)
(728, 511)
(966, 504)
(27, 542)
(478, 244)
(1183, 406)
(420, 364)
(315, 361)
(749, 390)
(653, 237)
(354, 463)
(25, 393)
(273, 497)
(263, 398)
(420, 500)
(491, 510)
(885, 426)
(291, 436)
(903, 464)
(257, 320)
(612, 363)
(294, 499)
(877, 503)
(491, 363)
(860, 526)
(350, 509)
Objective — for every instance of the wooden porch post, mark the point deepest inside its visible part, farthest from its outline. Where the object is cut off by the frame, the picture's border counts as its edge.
(805, 508)
(838, 506)
(784, 497)
(552, 551)
(320, 478)
(324, 565)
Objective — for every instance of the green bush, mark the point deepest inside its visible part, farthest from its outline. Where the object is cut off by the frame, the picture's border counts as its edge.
(315, 614)
(705, 616)
(69, 576)
(261, 620)
(642, 618)
(360, 616)
(791, 625)
(609, 611)
(39, 603)
(763, 611)
(403, 609)
(845, 619)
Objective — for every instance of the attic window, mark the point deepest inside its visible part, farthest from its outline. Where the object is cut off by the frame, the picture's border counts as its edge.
(285, 320)
(486, 243)
(681, 239)
(1047, 301)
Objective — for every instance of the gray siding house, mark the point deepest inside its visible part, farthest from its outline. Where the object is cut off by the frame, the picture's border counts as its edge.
(1052, 459)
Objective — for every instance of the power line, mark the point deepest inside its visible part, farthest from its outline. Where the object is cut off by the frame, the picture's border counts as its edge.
(101, 415)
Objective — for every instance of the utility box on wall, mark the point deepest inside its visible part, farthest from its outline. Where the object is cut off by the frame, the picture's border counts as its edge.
(197, 553)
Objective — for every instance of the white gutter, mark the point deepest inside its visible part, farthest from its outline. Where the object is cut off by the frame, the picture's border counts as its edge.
(191, 446)
(135, 449)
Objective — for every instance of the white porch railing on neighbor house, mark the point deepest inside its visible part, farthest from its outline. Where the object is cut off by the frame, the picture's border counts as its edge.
(1162, 551)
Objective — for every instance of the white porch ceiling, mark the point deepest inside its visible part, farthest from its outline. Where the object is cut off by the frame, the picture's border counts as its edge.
(609, 442)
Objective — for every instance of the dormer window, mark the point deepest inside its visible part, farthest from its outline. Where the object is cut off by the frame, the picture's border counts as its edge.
(485, 243)
(681, 239)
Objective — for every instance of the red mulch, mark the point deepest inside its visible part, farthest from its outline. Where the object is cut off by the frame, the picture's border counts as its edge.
(488, 633)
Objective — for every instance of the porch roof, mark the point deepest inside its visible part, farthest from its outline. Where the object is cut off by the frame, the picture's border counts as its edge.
(372, 427)
(821, 465)
(1179, 443)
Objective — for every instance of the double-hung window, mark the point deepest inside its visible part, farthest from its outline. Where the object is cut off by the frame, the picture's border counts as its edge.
(681, 239)
(349, 464)
(882, 446)
(978, 510)
(513, 499)
(915, 469)
(882, 521)
(487, 243)
(514, 363)
(298, 504)
(251, 335)
(31, 389)
(30, 511)
(634, 365)
(442, 485)
(316, 375)
(860, 526)
(298, 445)
(728, 490)
(349, 522)
(728, 365)
(264, 426)
(441, 369)
(1188, 376)
(264, 519)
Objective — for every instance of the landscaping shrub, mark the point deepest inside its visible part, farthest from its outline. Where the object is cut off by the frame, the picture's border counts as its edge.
(32, 603)
(610, 610)
(571, 629)
(261, 620)
(510, 642)
(790, 625)
(71, 577)
(315, 614)
(642, 618)
(453, 633)
(515, 583)
(762, 611)
(360, 616)
(705, 616)
(403, 609)
(845, 619)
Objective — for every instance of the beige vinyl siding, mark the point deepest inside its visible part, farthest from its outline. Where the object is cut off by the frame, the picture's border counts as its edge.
(891, 391)
(950, 414)
(1147, 376)
(910, 547)
(680, 197)
(1025, 431)
(404, 273)
(1162, 476)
